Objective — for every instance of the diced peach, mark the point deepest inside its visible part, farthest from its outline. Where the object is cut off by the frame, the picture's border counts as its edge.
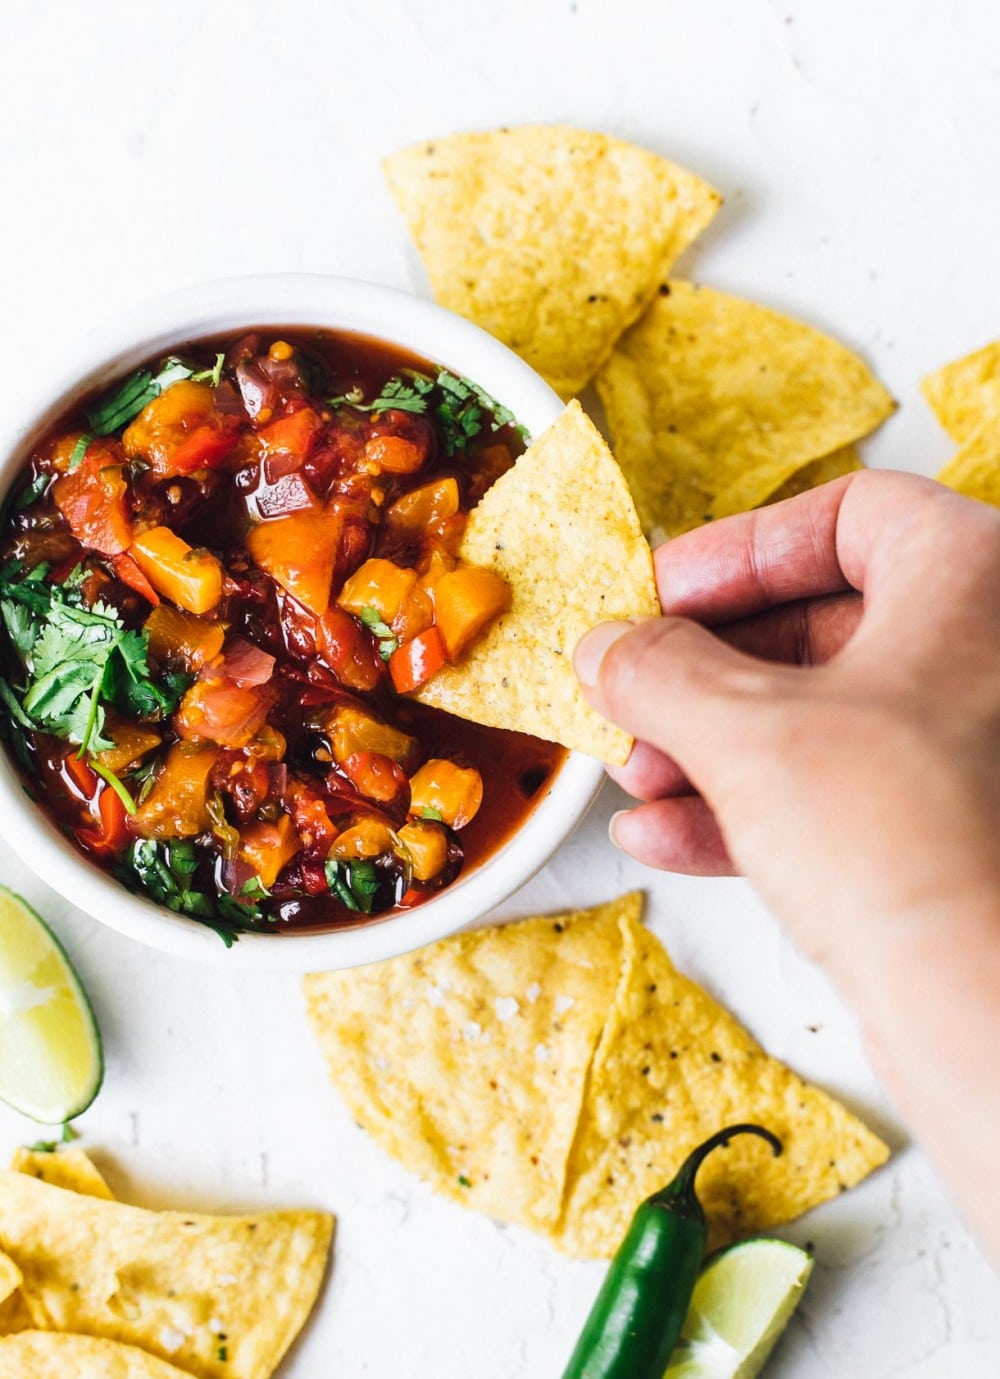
(466, 600)
(394, 454)
(427, 844)
(178, 638)
(299, 552)
(415, 511)
(379, 584)
(180, 431)
(190, 578)
(368, 837)
(354, 730)
(268, 847)
(454, 792)
(177, 805)
(132, 743)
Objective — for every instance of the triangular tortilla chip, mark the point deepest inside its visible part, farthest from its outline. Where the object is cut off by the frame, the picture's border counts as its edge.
(467, 1061)
(975, 469)
(966, 393)
(10, 1277)
(846, 460)
(67, 1168)
(713, 403)
(220, 1296)
(54, 1355)
(673, 1067)
(552, 238)
(561, 529)
(479, 1061)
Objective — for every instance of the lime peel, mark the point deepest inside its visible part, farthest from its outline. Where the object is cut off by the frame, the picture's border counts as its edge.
(51, 1059)
(742, 1302)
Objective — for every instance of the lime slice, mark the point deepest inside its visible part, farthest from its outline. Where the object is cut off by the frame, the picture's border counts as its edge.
(741, 1304)
(51, 1064)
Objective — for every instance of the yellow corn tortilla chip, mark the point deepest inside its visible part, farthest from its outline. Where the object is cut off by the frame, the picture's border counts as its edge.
(846, 460)
(966, 393)
(556, 1071)
(714, 403)
(552, 238)
(52, 1355)
(561, 529)
(10, 1277)
(67, 1168)
(673, 1066)
(171, 1283)
(975, 469)
(467, 1061)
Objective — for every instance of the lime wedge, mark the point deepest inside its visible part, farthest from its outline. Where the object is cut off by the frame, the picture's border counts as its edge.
(741, 1304)
(51, 1064)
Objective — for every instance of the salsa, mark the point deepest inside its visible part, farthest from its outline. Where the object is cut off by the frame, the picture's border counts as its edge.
(222, 580)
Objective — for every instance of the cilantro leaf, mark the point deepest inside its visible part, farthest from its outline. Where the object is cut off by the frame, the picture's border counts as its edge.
(355, 884)
(116, 408)
(165, 874)
(212, 375)
(460, 406)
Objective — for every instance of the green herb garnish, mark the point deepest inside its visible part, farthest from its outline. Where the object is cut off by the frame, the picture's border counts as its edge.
(374, 621)
(459, 405)
(355, 884)
(32, 491)
(51, 1146)
(116, 408)
(117, 785)
(165, 872)
(433, 814)
(77, 661)
(463, 1181)
(79, 451)
(255, 889)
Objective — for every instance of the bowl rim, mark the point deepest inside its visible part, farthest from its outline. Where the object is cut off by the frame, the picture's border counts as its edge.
(233, 304)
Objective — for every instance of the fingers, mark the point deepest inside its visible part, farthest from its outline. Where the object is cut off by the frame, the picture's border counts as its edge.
(806, 633)
(679, 835)
(817, 543)
(649, 775)
(744, 564)
(675, 685)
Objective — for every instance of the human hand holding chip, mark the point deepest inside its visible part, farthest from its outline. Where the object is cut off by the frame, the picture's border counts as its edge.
(836, 736)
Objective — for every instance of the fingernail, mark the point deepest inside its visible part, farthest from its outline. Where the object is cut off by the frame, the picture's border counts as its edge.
(592, 648)
(613, 825)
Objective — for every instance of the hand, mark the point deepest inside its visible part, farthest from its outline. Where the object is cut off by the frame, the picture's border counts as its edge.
(819, 707)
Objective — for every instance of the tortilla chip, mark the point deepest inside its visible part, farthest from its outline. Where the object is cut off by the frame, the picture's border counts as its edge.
(67, 1168)
(966, 393)
(10, 1277)
(561, 529)
(552, 238)
(975, 469)
(714, 403)
(672, 1068)
(51, 1355)
(467, 1061)
(555, 1072)
(186, 1288)
(846, 460)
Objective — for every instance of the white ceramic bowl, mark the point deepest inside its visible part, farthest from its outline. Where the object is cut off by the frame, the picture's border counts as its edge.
(232, 306)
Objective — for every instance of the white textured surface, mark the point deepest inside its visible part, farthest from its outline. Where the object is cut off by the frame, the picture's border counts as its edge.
(145, 148)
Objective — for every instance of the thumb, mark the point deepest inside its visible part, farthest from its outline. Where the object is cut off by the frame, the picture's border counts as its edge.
(671, 682)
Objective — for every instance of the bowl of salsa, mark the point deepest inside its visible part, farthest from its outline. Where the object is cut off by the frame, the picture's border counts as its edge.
(229, 561)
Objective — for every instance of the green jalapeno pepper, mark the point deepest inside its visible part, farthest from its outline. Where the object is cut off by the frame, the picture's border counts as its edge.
(638, 1315)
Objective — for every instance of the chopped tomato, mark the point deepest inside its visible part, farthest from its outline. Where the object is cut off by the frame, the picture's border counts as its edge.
(454, 792)
(348, 650)
(412, 664)
(128, 571)
(293, 434)
(110, 833)
(93, 498)
(216, 710)
(312, 820)
(180, 431)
